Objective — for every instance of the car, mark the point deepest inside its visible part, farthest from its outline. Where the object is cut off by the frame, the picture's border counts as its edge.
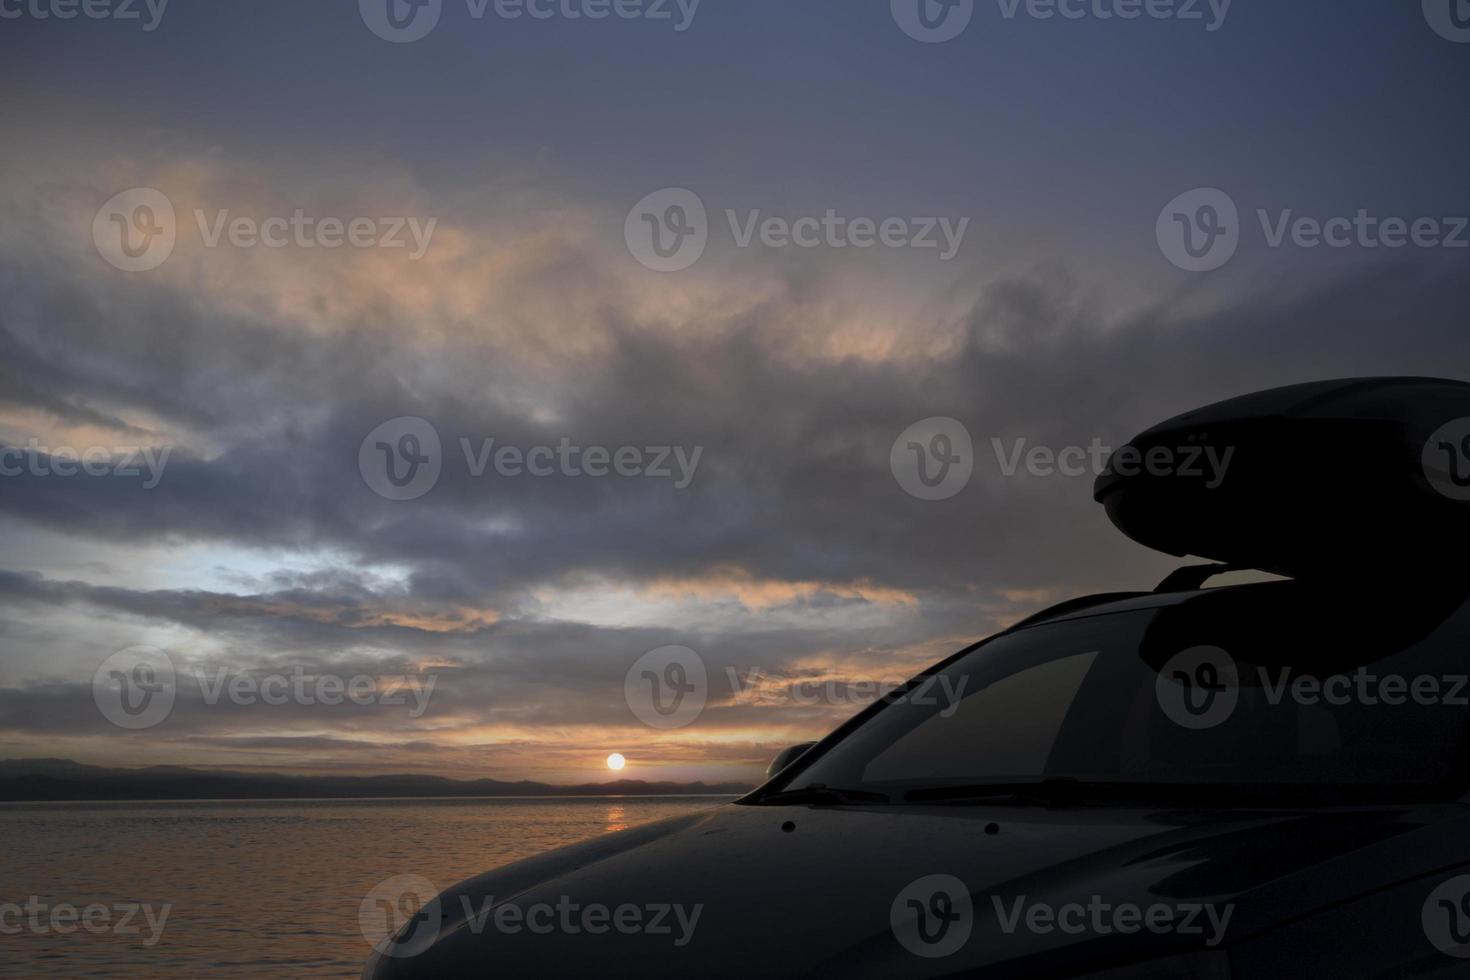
(1259, 768)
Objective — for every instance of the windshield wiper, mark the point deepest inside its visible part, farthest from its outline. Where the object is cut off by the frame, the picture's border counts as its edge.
(820, 794)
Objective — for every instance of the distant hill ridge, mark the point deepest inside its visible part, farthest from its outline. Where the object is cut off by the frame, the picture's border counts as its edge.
(39, 780)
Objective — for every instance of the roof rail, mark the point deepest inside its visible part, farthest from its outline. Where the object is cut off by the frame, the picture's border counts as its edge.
(1191, 577)
(1071, 606)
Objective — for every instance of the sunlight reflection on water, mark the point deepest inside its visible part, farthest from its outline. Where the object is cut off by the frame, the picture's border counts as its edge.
(263, 888)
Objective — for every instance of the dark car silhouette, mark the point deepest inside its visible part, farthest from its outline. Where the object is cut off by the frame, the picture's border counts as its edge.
(1262, 779)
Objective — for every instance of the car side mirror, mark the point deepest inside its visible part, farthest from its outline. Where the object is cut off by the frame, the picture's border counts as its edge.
(786, 757)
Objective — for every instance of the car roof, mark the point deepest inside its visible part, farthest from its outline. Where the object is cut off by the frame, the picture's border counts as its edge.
(1109, 603)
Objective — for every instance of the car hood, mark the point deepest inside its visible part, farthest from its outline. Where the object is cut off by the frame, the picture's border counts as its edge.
(815, 891)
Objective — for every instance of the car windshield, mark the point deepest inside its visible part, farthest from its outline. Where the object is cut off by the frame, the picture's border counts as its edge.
(1273, 691)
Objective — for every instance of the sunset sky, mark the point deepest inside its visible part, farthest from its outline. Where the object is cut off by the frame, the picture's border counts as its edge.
(793, 555)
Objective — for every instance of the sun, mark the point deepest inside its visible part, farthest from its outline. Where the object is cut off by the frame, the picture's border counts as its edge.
(616, 761)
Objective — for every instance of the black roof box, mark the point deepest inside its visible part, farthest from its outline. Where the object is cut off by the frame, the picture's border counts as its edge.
(1327, 478)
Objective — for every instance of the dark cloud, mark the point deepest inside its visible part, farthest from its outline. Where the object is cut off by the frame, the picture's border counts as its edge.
(793, 546)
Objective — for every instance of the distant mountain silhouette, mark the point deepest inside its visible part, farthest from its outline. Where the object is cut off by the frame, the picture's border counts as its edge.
(62, 780)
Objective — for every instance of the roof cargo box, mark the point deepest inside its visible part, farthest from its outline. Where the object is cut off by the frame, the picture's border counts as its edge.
(1364, 476)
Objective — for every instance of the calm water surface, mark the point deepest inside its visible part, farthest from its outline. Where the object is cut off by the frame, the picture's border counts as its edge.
(259, 889)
